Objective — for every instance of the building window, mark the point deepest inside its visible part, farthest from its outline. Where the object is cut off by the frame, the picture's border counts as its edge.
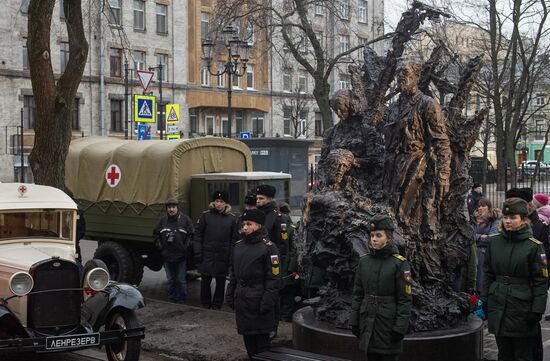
(304, 45)
(258, 126)
(163, 59)
(114, 12)
(362, 11)
(287, 81)
(225, 128)
(205, 20)
(320, 37)
(319, 9)
(61, 9)
(344, 9)
(344, 43)
(239, 121)
(302, 123)
(64, 56)
(302, 81)
(116, 115)
(221, 77)
(209, 125)
(345, 81)
(116, 62)
(139, 14)
(29, 112)
(76, 114)
(25, 54)
(139, 60)
(250, 77)
(205, 77)
(24, 6)
(236, 81)
(539, 99)
(361, 41)
(540, 129)
(193, 121)
(318, 124)
(250, 33)
(287, 115)
(162, 16)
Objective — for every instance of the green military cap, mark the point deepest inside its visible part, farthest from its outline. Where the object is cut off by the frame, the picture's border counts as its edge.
(381, 222)
(515, 205)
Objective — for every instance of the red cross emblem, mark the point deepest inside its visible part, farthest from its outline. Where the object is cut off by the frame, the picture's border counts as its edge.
(113, 175)
(22, 190)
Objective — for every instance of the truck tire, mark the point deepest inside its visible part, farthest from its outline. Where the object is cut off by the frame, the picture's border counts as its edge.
(137, 263)
(118, 260)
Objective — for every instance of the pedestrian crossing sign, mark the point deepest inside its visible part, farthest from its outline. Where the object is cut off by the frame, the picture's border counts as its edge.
(145, 109)
(172, 113)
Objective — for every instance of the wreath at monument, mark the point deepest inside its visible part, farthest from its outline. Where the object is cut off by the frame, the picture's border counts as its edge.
(410, 160)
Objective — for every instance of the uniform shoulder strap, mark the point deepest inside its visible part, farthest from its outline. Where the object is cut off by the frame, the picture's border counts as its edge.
(239, 241)
(399, 257)
(535, 241)
(267, 242)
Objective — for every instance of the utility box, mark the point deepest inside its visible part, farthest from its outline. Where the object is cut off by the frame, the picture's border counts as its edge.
(287, 155)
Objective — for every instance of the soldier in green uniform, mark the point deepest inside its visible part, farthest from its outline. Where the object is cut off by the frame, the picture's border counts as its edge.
(381, 302)
(514, 292)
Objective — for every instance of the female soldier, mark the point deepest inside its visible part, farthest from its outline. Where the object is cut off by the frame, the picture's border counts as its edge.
(381, 300)
(254, 284)
(514, 290)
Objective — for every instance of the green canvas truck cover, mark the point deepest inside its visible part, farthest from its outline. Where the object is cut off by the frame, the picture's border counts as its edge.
(150, 171)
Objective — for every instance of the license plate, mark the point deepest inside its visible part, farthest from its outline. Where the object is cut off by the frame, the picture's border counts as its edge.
(72, 341)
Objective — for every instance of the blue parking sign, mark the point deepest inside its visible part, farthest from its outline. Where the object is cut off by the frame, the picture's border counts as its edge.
(245, 135)
(144, 132)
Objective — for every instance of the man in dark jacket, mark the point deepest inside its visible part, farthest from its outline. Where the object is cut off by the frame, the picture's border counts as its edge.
(172, 236)
(249, 203)
(254, 283)
(215, 234)
(474, 197)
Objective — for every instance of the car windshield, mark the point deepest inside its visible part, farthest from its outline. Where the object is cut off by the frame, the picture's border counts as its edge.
(45, 223)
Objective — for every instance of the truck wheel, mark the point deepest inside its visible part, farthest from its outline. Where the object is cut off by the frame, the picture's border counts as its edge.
(127, 350)
(137, 263)
(118, 261)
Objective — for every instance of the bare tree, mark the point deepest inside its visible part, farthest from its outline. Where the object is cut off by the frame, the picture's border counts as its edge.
(54, 100)
(291, 32)
(295, 107)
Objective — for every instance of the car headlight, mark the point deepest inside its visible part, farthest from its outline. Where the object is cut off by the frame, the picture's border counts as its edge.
(97, 279)
(21, 283)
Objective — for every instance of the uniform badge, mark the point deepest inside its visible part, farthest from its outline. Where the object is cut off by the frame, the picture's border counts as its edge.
(544, 272)
(408, 280)
(275, 260)
(543, 258)
(284, 229)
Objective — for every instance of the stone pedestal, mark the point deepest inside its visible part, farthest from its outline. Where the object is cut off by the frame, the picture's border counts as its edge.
(457, 344)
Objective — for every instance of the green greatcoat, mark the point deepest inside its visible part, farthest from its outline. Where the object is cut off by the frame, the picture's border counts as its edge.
(509, 303)
(382, 273)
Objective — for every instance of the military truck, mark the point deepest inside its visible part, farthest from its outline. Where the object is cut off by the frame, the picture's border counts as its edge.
(122, 185)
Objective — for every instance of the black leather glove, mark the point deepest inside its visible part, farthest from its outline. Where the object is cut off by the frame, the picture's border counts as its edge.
(356, 331)
(534, 317)
(396, 336)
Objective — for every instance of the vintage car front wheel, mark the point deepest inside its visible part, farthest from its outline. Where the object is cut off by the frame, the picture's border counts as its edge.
(128, 350)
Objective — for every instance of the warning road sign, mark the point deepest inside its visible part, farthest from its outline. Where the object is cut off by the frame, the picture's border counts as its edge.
(145, 109)
(144, 132)
(145, 78)
(172, 113)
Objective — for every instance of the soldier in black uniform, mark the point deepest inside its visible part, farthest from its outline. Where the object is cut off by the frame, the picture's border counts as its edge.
(253, 289)
(215, 234)
(249, 203)
(276, 224)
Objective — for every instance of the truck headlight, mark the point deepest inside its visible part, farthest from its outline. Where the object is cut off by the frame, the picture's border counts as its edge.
(21, 283)
(97, 279)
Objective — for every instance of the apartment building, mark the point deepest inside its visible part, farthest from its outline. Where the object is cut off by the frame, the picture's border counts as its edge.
(141, 33)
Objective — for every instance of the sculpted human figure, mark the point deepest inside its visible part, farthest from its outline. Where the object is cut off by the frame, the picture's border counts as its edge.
(417, 165)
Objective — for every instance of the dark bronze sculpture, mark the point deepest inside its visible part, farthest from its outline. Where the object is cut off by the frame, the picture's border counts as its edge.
(409, 160)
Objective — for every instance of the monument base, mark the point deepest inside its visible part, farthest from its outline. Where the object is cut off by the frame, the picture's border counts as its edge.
(464, 342)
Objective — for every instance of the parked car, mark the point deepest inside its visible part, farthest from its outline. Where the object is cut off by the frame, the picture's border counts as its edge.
(529, 167)
(48, 301)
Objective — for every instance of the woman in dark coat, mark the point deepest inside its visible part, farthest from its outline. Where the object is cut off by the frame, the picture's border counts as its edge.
(216, 232)
(254, 283)
(514, 290)
(381, 300)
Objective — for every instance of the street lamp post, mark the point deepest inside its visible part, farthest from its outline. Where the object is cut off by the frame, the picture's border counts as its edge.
(237, 55)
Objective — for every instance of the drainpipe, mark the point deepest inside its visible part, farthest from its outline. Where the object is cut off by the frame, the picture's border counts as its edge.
(101, 73)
